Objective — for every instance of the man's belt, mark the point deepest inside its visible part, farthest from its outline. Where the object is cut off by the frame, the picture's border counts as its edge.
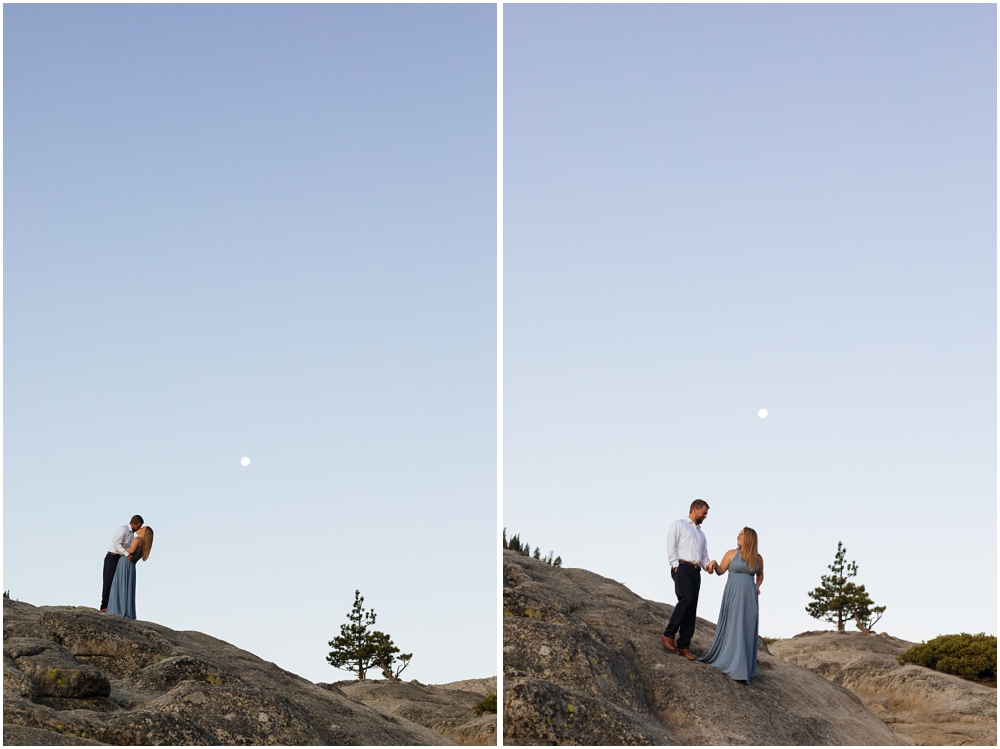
(690, 564)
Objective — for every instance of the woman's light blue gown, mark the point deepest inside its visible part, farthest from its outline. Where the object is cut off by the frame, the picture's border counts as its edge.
(734, 649)
(121, 601)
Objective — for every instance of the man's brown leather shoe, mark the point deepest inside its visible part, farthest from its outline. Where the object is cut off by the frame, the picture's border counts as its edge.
(687, 654)
(668, 643)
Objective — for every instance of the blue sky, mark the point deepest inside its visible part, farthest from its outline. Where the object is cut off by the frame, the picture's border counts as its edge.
(263, 231)
(709, 210)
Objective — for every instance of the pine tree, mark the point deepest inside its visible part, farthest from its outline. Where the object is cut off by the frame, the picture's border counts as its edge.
(384, 654)
(352, 649)
(838, 600)
(360, 647)
(866, 613)
(515, 543)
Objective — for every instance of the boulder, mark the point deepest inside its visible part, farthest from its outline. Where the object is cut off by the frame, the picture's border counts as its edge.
(583, 664)
(16, 683)
(113, 644)
(482, 687)
(139, 683)
(446, 709)
(53, 670)
(24, 736)
(920, 705)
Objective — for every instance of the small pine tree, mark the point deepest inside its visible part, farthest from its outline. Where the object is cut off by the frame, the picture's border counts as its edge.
(837, 600)
(514, 543)
(359, 648)
(352, 649)
(866, 613)
(830, 598)
(384, 654)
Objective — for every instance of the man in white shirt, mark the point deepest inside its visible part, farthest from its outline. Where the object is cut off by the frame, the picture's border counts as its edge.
(687, 553)
(119, 548)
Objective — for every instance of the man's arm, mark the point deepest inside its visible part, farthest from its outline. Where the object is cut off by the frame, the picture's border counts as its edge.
(705, 559)
(673, 538)
(117, 543)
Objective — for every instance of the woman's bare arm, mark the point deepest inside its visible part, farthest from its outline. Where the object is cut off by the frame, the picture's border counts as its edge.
(760, 572)
(722, 566)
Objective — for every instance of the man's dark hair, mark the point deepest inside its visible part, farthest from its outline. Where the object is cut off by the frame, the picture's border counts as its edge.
(135, 519)
(697, 505)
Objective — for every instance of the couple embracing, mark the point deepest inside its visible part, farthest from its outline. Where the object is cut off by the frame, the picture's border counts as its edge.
(734, 648)
(130, 545)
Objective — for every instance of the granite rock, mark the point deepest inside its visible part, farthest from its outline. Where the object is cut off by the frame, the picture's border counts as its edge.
(140, 683)
(920, 705)
(447, 709)
(583, 664)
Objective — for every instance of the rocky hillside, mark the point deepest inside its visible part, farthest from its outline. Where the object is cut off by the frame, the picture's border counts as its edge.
(920, 705)
(583, 664)
(447, 708)
(76, 676)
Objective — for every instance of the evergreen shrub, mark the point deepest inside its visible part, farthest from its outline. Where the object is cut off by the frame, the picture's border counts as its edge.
(487, 704)
(972, 657)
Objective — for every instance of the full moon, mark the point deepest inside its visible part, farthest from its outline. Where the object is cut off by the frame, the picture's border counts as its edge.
(246, 461)
(762, 414)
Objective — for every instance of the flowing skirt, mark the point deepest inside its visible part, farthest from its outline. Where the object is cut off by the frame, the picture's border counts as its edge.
(734, 649)
(121, 601)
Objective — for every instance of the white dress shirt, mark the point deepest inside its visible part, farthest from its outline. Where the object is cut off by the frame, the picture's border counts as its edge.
(121, 541)
(685, 540)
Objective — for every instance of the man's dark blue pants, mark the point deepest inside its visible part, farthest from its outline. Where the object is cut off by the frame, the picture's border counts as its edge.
(110, 565)
(687, 583)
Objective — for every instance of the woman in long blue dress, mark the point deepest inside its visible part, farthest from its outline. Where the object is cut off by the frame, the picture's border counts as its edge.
(121, 600)
(734, 649)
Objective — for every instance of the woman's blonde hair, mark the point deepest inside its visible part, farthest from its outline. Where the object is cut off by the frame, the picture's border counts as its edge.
(748, 551)
(147, 543)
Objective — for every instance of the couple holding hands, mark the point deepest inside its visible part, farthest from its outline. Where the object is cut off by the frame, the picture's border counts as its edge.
(734, 648)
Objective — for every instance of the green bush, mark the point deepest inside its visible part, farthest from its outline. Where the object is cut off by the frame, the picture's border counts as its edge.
(487, 704)
(969, 656)
(770, 640)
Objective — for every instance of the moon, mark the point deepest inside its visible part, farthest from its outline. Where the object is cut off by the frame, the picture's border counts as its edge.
(246, 461)
(762, 414)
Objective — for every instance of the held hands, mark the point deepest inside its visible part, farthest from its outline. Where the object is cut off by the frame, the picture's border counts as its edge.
(711, 566)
